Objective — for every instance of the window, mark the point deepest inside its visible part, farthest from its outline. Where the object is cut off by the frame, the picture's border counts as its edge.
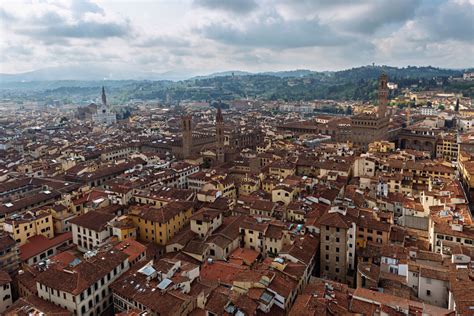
(428, 292)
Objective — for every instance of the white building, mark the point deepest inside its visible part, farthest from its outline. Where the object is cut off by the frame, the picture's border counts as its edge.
(83, 288)
(429, 111)
(465, 123)
(5, 291)
(104, 115)
(91, 230)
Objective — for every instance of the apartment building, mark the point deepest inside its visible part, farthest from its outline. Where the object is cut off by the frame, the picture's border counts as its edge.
(338, 229)
(32, 223)
(9, 254)
(205, 221)
(91, 230)
(6, 296)
(159, 225)
(83, 288)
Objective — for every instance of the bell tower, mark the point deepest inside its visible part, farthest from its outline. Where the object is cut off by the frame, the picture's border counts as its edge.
(187, 135)
(383, 96)
(220, 135)
(104, 98)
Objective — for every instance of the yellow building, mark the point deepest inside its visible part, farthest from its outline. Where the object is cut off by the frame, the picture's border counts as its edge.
(282, 169)
(370, 229)
(253, 234)
(466, 169)
(124, 228)
(284, 194)
(227, 187)
(29, 224)
(447, 148)
(158, 225)
(61, 217)
(269, 184)
(295, 212)
(248, 186)
(381, 146)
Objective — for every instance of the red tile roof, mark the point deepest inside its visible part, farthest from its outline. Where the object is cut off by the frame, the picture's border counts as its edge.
(39, 243)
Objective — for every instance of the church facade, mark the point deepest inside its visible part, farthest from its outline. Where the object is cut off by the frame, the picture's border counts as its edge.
(104, 115)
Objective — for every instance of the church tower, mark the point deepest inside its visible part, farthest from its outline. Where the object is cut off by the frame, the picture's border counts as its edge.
(187, 135)
(220, 135)
(104, 98)
(383, 96)
(104, 114)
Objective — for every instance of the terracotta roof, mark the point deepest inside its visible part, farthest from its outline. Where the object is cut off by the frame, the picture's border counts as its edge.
(39, 243)
(31, 304)
(93, 220)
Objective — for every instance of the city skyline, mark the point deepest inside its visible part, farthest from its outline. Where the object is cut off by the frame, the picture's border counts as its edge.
(205, 36)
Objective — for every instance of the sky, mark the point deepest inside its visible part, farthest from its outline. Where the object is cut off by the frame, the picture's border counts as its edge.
(205, 36)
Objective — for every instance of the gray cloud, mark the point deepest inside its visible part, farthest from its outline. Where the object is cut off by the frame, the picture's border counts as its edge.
(231, 34)
(80, 7)
(451, 20)
(52, 27)
(233, 6)
(81, 29)
(6, 16)
(275, 32)
(381, 13)
(164, 41)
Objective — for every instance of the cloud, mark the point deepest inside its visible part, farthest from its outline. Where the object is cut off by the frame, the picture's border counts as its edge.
(6, 16)
(79, 7)
(252, 35)
(163, 41)
(452, 20)
(274, 32)
(82, 19)
(79, 29)
(377, 14)
(232, 6)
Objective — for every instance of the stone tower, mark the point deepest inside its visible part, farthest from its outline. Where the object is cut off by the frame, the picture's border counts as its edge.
(383, 96)
(104, 98)
(220, 136)
(187, 132)
(370, 127)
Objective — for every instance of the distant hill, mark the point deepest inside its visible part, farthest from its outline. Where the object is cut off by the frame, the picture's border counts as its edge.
(281, 74)
(90, 73)
(298, 85)
(93, 72)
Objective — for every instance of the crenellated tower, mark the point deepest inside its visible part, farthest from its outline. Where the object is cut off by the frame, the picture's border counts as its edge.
(220, 136)
(383, 95)
(187, 135)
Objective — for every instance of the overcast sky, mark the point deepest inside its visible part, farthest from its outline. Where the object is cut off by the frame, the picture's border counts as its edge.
(204, 36)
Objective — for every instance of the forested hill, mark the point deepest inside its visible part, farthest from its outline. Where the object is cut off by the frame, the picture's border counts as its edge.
(351, 84)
